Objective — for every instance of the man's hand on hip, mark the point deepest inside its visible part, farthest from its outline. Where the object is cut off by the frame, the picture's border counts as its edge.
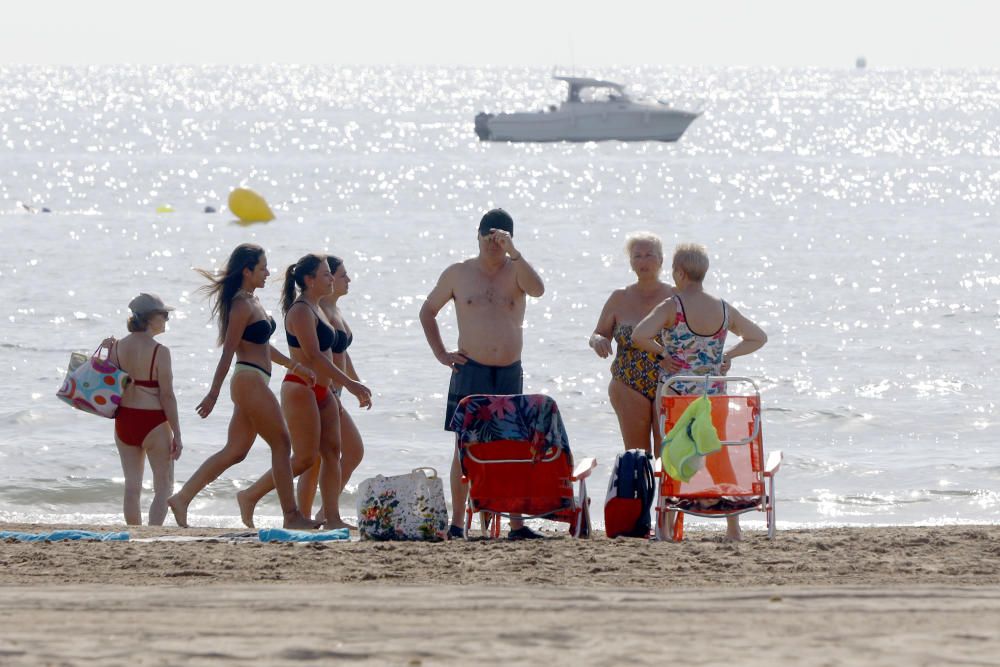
(453, 360)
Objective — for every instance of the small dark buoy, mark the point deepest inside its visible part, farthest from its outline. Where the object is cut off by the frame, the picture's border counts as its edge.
(209, 209)
(46, 210)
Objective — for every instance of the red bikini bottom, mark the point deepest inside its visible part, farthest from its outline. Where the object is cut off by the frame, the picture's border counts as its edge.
(321, 391)
(132, 425)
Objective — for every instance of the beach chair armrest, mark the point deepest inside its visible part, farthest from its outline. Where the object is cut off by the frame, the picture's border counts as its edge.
(584, 468)
(774, 460)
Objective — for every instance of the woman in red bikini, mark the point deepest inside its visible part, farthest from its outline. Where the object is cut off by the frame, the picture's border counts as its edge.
(352, 448)
(245, 331)
(311, 410)
(146, 424)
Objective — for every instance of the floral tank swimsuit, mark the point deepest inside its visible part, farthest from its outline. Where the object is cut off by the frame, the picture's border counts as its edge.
(633, 367)
(699, 354)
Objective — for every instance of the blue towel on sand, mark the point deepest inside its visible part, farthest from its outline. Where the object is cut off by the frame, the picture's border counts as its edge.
(283, 535)
(57, 535)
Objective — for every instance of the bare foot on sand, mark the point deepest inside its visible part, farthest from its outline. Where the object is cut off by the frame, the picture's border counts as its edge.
(180, 511)
(246, 508)
(733, 532)
(296, 520)
(333, 525)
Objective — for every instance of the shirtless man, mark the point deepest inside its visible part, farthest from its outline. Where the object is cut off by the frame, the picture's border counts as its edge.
(489, 292)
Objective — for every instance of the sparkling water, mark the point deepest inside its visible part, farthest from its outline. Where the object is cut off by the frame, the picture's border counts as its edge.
(852, 214)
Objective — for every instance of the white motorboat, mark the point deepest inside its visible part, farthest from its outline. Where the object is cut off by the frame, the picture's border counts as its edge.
(612, 117)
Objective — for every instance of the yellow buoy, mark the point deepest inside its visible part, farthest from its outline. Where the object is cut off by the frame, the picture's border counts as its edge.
(249, 206)
(164, 208)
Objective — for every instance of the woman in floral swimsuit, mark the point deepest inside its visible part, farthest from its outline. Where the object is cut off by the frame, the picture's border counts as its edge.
(634, 372)
(692, 327)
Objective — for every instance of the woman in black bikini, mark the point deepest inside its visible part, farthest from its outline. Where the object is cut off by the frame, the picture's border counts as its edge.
(245, 330)
(352, 447)
(146, 424)
(312, 411)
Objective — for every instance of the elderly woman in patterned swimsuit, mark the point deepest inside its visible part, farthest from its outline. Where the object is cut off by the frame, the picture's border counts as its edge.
(634, 372)
(689, 332)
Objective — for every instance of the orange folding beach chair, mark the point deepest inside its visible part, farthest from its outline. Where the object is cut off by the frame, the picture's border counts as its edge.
(516, 460)
(734, 479)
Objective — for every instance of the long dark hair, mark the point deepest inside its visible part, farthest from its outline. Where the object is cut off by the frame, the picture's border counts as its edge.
(295, 276)
(333, 262)
(222, 287)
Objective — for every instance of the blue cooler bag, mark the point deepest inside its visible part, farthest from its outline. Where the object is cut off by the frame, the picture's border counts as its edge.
(630, 495)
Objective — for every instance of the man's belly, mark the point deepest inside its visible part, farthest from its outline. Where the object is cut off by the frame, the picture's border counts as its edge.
(491, 343)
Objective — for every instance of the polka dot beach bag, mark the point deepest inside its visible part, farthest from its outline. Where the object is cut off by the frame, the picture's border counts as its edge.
(93, 384)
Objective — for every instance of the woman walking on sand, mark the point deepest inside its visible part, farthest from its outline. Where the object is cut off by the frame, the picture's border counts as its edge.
(245, 331)
(352, 448)
(313, 411)
(146, 424)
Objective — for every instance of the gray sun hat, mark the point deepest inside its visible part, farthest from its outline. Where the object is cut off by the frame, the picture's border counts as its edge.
(147, 303)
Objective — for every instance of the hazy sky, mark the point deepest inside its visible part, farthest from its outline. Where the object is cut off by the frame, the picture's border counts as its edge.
(890, 33)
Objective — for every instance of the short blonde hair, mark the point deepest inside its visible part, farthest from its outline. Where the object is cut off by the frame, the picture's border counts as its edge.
(643, 237)
(692, 259)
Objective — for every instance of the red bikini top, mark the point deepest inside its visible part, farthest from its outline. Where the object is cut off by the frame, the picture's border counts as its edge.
(150, 383)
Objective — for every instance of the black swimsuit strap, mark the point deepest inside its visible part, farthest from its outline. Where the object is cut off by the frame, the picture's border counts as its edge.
(725, 319)
(319, 323)
(309, 306)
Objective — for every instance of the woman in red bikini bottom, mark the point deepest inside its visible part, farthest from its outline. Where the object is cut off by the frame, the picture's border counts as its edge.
(146, 424)
(313, 412)
(245, 331)
(352, 448)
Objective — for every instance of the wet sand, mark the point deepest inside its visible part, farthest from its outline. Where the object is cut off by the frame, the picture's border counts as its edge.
(842, 596)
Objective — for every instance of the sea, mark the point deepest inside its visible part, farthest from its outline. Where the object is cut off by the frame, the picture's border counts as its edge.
(853, 214)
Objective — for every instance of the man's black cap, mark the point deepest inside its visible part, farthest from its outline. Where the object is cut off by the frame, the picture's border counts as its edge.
(496, 219)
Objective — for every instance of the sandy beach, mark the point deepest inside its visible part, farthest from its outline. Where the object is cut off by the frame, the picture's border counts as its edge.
(838, 596)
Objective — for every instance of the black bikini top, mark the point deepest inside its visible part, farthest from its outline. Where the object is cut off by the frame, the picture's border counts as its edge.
(327, 336)
(260, 331)
(342, 341)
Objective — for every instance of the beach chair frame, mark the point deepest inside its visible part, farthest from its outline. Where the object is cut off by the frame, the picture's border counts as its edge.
(510, 458)
(577, 514)
(670, 495)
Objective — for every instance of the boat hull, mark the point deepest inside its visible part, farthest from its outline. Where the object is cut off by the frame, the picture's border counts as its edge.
(586, 124)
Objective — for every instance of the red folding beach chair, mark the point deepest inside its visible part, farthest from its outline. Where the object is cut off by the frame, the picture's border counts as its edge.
(733, 480)
(516, 460)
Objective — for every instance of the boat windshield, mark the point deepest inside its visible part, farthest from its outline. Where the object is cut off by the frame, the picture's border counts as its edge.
(593, 90)
(597, 94)
(594, 94)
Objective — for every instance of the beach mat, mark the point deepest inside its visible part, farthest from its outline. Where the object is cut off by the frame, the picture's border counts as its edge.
(263, 535)
(285, 535)
(257, 536)
(60, 535)
(228, 537)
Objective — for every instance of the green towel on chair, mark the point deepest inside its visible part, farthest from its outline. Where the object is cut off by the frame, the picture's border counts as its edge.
(691, 439)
